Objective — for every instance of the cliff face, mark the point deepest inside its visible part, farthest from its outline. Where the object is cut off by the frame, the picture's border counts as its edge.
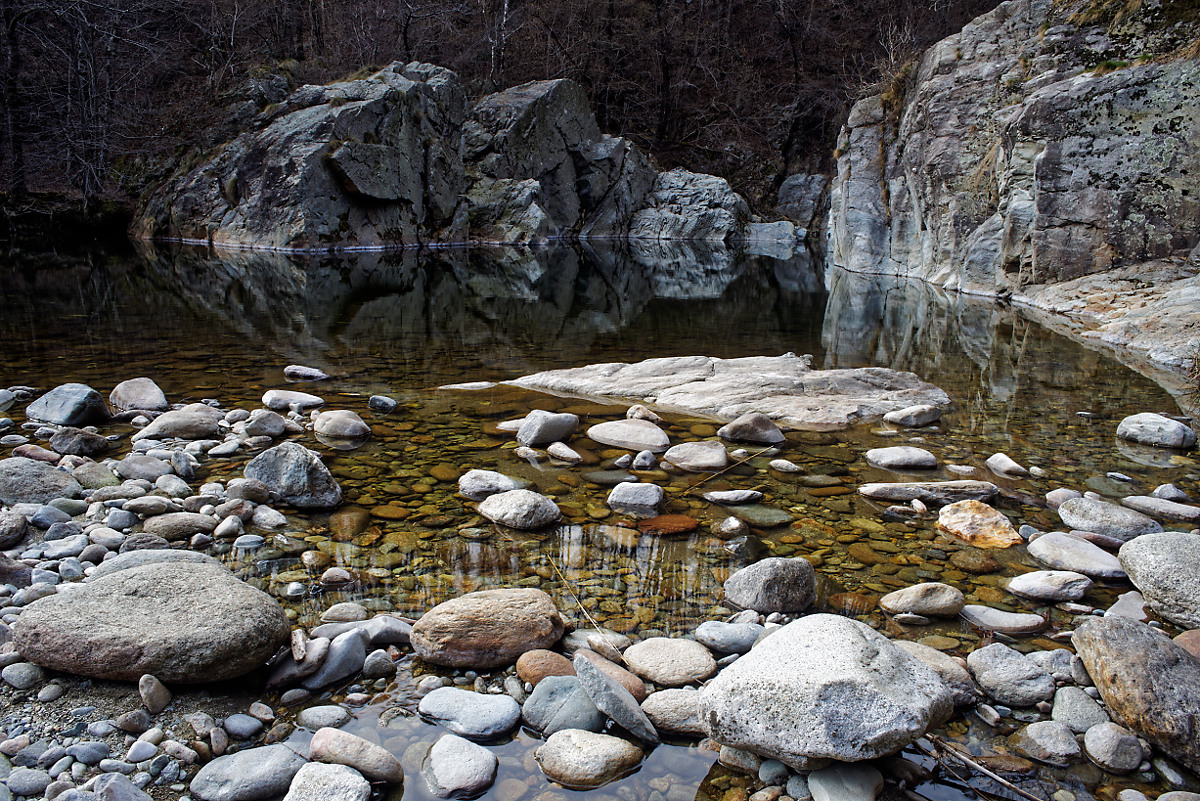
(1045, 142)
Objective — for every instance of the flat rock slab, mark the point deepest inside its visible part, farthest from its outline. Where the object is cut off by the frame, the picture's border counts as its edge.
(182, 622)
(934, 493)
(784, 388)
(1106, 519)
(901, 457)
(1064, 552)
(672, 662)
(634, 434)
(989, 619)
(1165, 568)
(978, 524)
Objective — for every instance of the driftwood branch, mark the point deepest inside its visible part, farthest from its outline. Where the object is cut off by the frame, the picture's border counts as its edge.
(960, 756)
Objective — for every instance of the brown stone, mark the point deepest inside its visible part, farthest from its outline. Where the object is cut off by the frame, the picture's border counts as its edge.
(487, 629)
(850, 603)
(978, 524)
(973, 561)
(614, 671)
(861, 552)
(316, 560)
(667, 525)
(345, 523)
(37, 453)
(533, 666)
(391, 512)
(1190, 642)
(827, 492)
(445, 472)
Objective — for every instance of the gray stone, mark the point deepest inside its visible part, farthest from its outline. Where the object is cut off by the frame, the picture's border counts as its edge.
(325, 716)
(845, 782)
(1050, 586)
(752, 427)
(823, 686)
(113, 787)
(23, 675)
(957, 678)
(89, 752)
(1065, 552)
(901, 457)
(1163, 568)
(581, 759)
(733, 497)
(150, 556)
(914, 416)
(1049, 741)
(487, 629)
(278, 400)
(470, 714)
(1009, 676)
(1162, 509)
(676, 711)
(249, 775)
(1113, 747)
(185, 623)
(775, 584)
(28, 782)
(265, 423)
(611, 698)
(194, 421)
(1106, 519)
(933, 493)
(1077, 709)
(139, 466)
(541, 428)
(728, 638)
(671, 662)
(69, 405)
(13, 528)
(636, 497)
(479, 484)
(297, 474)
(991, 619)
(77, 442)
(378, 665)
(930, 599)
(707, 456)
(341, 424)
(520, 509)
(560, 702)
(154, 694)
(317, 781)
(1003, 464)
(242, 727)
(347, 653)
(636, 435)
(29, 481)
(138, 393)
(458, 768)
(1156, 430)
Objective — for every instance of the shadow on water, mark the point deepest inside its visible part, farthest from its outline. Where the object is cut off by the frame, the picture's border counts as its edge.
(223, 326)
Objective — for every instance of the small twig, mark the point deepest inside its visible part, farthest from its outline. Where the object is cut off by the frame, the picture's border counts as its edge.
(971, 763)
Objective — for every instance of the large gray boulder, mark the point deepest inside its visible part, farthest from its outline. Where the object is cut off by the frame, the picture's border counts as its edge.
(1166, 569)
(775, 584)
(69, 405)
(30, 481)
(1154, 429)
(297, 474)
(194, 421)
(138, 393)
(823, 687)
(182, 622)
(688, 205)
(1149, 683)
(1108, 519)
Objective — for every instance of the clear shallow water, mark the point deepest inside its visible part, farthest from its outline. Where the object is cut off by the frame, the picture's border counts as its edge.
(399, 324)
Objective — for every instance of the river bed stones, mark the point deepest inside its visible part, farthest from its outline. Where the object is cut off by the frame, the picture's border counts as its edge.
(280, 400)
(1150, 684)
(1009, 676)
(775, 584)
(637, 497)
(581, 759)
(753, 427)
(30, 481)
(977, 524)
(670, 662)
(823, 686)
(69, 404)
(707, 456)
(1154, 429)
(1106, 519)
(458, 768)
(520, 509)
(138, 393)
(487, 629)
(914, 416)
(184, 623)
(194, 421)
(1166, 569)
(845, 782)
(297, 474)
(635, 435)
(931, 599)
(901, 457)
(1065, 552)
(1050, 586)
(248, 775)
(957, 678)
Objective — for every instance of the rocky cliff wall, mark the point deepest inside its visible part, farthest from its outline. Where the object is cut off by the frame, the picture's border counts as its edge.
(1046, 142)
(399, 159)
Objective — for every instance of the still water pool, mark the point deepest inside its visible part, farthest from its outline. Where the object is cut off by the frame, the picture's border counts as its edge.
(204, 326)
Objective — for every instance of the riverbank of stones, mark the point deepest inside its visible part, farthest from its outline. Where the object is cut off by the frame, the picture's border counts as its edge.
(853, 693)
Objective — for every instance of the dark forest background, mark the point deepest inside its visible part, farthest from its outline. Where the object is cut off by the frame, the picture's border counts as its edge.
(103, 97)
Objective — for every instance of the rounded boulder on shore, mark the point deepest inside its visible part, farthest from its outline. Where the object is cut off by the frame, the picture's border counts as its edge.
(487, 629)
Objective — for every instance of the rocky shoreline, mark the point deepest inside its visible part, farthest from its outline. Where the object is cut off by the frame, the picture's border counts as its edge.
(804, 704)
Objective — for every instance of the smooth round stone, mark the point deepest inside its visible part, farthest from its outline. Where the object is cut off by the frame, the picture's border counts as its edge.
(676, 711)
(902, 457)
(318, 781)
(1057, 497)
(253, 773)
(1113, 747)
(752, 427)
(341, 423)
(607, 478)
(560, 702)
(564, 453)
(845, 782)
(581, 759)
(914, 416)
(636, 497)
(1005, 465)
(540, 428)
(381, 404)
(635, 435)
(1049, 741)
(471, 714)
(346, 656)
(23, 675)
(487, 629)
(283, 399)
(1162, 509)
(265, 423)
(707, 456)
(249, 542)
(784, 466)
(733, 497)
(535, 665)
(977, 524)
(1077, 709)
(1010, 677)
(1064, 552)
(378, 665)
(337, 747)
(345, 612)
(326, 716)
(520, 509)
(931, 599)
(28, 782)
(670, 662)
(1107, 519)
(138, 393)
(458, 768)
(1155, 430)
(1051, 586)
(989, 619)
(775, 584)
(728, 638)
(761, 516)
(962, 686)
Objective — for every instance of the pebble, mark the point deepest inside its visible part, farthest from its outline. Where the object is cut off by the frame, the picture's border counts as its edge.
(242, 727)
(458, 768)
(324, 716)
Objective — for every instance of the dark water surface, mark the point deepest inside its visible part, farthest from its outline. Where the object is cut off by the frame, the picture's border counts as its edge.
(224, 327)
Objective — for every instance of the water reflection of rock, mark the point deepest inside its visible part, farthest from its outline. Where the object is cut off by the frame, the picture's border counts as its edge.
(978, 349)
(483, 302)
